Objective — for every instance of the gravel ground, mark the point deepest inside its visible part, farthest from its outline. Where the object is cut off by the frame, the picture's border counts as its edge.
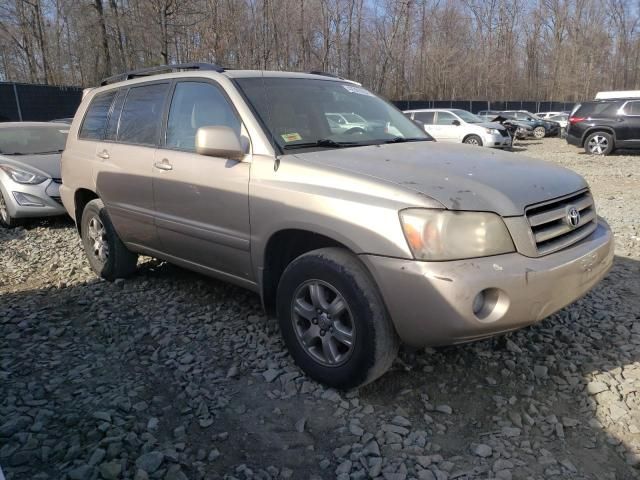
(170, 375)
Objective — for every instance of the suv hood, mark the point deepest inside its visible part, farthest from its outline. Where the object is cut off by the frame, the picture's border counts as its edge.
(460, 177)
(47, 165)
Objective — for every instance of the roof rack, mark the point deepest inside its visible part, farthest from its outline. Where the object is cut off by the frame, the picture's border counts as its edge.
(325, 74)
(333, 75)
(144, 72)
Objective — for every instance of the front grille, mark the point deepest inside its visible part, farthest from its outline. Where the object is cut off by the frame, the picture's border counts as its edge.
(57, 199)
(550, 226)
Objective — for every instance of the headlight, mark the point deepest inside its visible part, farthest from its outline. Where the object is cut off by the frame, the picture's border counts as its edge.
(450, 235)
(493, 131)
(22, 176)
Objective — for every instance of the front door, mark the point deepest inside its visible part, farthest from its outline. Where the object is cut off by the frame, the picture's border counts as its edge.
(446, 128)
(202, 202)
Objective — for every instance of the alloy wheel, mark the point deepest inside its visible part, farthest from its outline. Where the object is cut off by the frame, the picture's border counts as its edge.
(472, 141)
(598, 144)
(539, 132)
(323, 323)
(4, 212)
(98, 236)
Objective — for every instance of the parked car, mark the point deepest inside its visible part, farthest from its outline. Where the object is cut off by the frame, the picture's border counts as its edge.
(563, 121)
(541, 128)
(355, 240)
(517, 130)
(460, 126)
(66, 120)
(341, 122)
(601, 126)
(30, 170)
(548, 115)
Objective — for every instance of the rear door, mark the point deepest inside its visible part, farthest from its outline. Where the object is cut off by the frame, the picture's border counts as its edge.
(202, 202)
(125, 177)
(628, 130)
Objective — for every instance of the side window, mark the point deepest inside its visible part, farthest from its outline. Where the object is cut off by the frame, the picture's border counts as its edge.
(114, 116)
(195, 105)
(445, 118)
(632, 108)
(424, 117)
(141, 115)
(95, 120)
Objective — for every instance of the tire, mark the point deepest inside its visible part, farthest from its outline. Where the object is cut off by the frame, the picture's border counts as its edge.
(6, 220)
(599, 143)
(473, 140)
(363, 322)
(106, 253)
(539, 132)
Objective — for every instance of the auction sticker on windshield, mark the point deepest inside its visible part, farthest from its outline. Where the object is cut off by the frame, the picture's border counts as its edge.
(358, 90)
(291, 137)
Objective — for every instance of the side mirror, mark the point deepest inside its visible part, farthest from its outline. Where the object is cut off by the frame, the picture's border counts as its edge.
(456, 123)
(219, 141)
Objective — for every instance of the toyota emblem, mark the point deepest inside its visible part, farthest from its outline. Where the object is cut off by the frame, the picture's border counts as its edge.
(573, 217)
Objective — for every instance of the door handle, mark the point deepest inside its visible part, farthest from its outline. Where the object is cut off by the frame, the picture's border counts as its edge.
(163, 165)
(104, 155)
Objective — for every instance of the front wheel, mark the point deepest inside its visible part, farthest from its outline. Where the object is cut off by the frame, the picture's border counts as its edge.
(6, 220)
(106, 253)
(539, 132)
(473, 140)
(333, 320)
(599, 143)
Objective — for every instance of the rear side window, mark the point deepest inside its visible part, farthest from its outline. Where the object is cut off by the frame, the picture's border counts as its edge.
(141, 115)
(424, 117)
(95, 120)
(632, 108)
(114, 117)
(195, 105)
(596, 109)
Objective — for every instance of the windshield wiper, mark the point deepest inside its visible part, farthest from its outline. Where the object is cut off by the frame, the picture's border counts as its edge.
(323, 142)
(403, 139)
(46, 153)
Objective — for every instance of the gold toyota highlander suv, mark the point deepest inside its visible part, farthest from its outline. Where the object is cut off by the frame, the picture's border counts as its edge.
(356, 238)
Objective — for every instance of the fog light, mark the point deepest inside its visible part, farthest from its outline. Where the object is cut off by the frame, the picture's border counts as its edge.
(490, 304)
(478, 303)
(26, 200)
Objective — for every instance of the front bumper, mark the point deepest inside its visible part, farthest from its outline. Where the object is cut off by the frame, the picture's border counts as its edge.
(496, 141)
(432, 303)
(25, 201)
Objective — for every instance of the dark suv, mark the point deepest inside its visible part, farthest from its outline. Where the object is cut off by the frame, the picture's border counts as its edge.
(602, 126)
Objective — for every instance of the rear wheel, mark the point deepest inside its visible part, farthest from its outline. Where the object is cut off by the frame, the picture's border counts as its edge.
(106, 253)
(333, 320)
(539, 132)
(599, 143)
(473, 140)
(5, 217)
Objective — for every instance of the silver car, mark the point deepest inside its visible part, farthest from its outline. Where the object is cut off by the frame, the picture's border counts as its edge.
(30, 170)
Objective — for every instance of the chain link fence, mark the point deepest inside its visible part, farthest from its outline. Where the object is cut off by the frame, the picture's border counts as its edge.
(25, 102)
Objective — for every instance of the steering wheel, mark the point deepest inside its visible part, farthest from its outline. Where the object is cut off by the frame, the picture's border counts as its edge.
(353, 130)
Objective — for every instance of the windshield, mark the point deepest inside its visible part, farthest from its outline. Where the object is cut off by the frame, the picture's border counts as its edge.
(468, 116)
(30, 140)
(303, 112)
